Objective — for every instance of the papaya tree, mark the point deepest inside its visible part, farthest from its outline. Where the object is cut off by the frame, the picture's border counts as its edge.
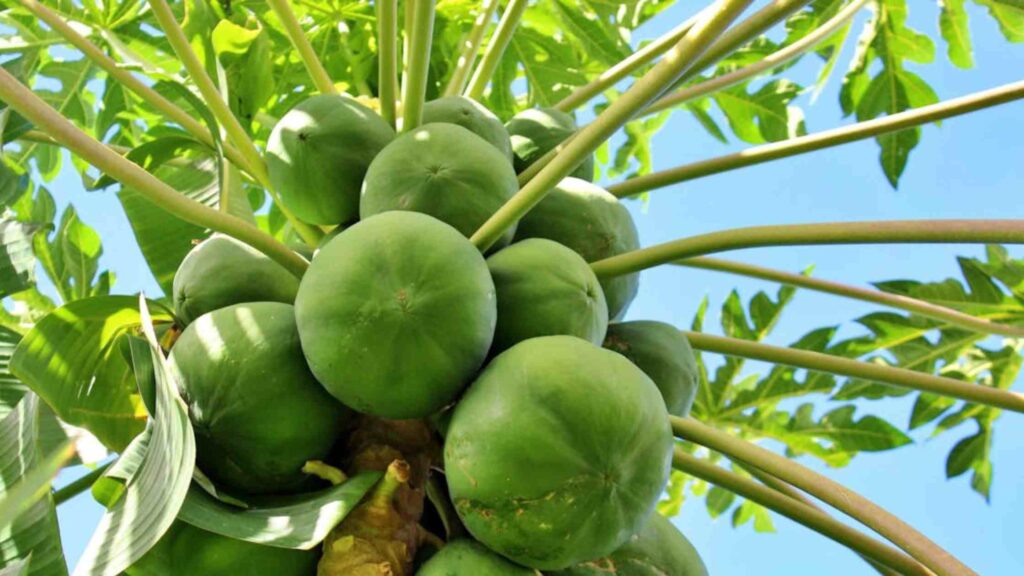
(395, 248)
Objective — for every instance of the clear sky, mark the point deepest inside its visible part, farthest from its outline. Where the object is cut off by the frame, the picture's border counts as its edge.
(968, 168)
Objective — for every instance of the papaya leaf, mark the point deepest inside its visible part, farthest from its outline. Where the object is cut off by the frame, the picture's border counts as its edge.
(243, 51)
(765, 115)
(12, 185)
(718, 501)
(1010, 16)
(70, 359)
(675, 495)
(747, 511)
(892, 88)
(954, 29)
(300, 521)
(28, 522)
(154, 491)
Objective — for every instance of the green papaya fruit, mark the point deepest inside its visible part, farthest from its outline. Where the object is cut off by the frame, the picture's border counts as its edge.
(466, 558)
(472, 116)
(222, 271)
(396, 314)
(257, 411)
(557, 453)
(664, 354)
(658, 550)
(537, 131)
(545, 289)
(187, 550)
(442, 170)
(591, 221)
(318, 153)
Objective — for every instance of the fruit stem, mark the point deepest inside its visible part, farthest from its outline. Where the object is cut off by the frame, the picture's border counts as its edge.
(387, 50)
(919, 307)
(37, 111)
(125, 77)
(324, 471)
(79, 485)
(197, 72)
(836, 495)
(316, 69)
(611, 76)
(470, 48)
(870, 232)
(769, 62)
(780, 486)
(817, 361)
(396, 476)
(495, 48)
(798, 512)
(587, 140)
(825, 139)
(417, 59)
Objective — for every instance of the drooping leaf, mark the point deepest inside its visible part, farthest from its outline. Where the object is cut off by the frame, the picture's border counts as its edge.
(25, 474)
(17, 260)
(300, 521)
(70, 359)
(156, 489)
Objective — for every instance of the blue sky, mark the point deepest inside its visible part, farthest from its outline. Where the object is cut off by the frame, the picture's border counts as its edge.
(968, 168)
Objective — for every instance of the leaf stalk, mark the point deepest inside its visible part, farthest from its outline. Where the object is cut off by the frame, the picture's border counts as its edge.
(799, 512)
(314, 66)
(832, 493)
(769, 62)
(614, 117)
(387, 50)
(37, 111)
(824, 139)
(197, 72)
(128, 80)
(817, 361)
(869, 232)
(414, 89)
(496, 48)
(470, 48)
(922, 308)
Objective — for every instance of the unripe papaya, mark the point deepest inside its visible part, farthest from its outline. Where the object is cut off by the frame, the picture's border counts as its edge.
(472, 116)
(658, 550)
(396, 314)
(187, 550)
(664, 354)
(557, 453)
(466, 558)
(442, 170)
(318, 153)
(222, 271)
(545, 289)
(537, 131)
(257, 411)
(591, 221)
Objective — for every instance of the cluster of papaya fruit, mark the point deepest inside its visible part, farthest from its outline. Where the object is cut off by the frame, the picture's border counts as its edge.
(505, 406)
